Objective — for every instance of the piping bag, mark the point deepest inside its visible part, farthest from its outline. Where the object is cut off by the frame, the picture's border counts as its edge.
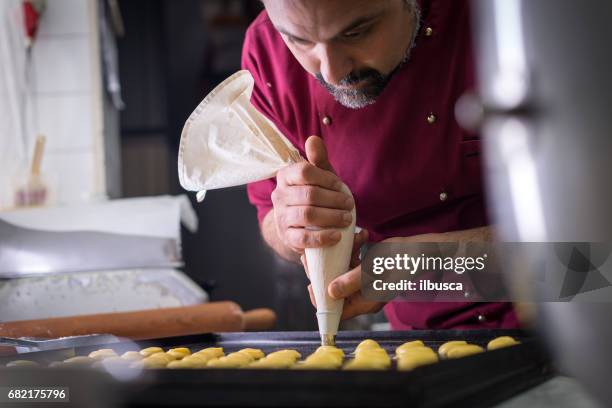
(226, 142)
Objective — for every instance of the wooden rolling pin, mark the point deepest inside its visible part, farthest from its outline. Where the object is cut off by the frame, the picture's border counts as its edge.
(259, 320)
(147, 324)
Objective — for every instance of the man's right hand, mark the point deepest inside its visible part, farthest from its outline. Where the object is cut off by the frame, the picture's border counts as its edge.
(309, 205)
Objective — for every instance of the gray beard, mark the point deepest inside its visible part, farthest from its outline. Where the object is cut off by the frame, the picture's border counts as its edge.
(357, 98)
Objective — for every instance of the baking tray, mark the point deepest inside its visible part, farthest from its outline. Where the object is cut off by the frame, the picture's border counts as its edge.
(476, 381)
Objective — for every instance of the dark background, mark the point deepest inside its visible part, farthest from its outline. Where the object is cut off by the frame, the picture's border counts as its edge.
(173, 53)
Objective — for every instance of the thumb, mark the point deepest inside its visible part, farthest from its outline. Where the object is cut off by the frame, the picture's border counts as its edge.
(346, 284)
(316, 153)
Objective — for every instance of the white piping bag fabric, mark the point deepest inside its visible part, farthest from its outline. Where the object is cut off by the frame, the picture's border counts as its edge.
(226, 142)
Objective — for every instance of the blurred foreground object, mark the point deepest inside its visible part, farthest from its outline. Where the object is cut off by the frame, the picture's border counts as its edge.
(114, 256)
(544, 110)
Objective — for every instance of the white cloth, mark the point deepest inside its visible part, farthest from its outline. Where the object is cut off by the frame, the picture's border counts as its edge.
(15, 97)
(226, 142)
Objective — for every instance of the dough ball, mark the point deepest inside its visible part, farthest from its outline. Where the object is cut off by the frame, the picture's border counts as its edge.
(79, 361)
(22, 363)
(330, 350)
(150, 351)
(319, 363)
(179, 352)
(272, 364)
(132, 356)
(444, 348)
(157, 360)
(464, 351)
(415, 350)
(102, 354)
(409, 345)
(365, 364)
(410, 361)
(368, 343)
(112, 362)
(501, 342)
(255, 353)
(224, 362)
(214, 352)
(200, 359)
(291, 354)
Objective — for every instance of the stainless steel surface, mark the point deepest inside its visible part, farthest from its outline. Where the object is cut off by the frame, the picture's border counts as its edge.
(29, 252)
(27, 344)
(544, 81)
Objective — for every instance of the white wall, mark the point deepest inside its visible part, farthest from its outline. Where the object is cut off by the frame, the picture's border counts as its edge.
(67, 97)
(66, 100)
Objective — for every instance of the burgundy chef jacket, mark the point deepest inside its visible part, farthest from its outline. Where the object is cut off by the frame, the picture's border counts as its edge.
(411, 168)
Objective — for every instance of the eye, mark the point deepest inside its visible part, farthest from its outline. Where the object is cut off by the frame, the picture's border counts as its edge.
(352, 34)
(298, 41)
(356, 34)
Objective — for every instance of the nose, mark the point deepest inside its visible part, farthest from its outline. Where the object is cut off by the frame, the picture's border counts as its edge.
(334, 64)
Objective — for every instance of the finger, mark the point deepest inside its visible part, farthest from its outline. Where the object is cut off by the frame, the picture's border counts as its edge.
(316, 153)
(301, 238)
(304, 173)
(356, 306)
(317, 197)
(360, 239)
(307, 216)
(346, 284)
(312, 297)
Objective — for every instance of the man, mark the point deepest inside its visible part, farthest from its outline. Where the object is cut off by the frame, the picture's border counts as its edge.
(377, 81)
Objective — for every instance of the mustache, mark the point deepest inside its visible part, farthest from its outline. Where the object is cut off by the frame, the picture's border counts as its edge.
(355, 77)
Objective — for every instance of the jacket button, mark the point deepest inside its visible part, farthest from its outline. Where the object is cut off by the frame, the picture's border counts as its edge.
(482, 318)
(428, 32)
(443, 196)
(327, 121)
(431, 118)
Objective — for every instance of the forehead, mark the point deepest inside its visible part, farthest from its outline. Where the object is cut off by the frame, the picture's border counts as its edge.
(321, 19)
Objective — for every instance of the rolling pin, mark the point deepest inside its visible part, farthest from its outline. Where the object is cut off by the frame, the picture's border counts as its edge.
(259, 319)
(139, 325)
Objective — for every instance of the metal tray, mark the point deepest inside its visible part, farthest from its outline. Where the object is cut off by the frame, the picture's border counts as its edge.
(477, 381)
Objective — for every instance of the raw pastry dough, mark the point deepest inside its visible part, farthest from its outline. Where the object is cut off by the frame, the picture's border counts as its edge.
(277, 360)
(330, 349)
(214, 352)
(132, 356)
(369, 356)
(410, 361)
(255, 353)
(287, 354)
(409, 345)
(365, 364)
(179, 352)
(102, 354)
(368, 343)
(150, 350)
(501, 342)
(444, 348)
(463, 351)
(79, 361)
(232, 360)
(22, 363)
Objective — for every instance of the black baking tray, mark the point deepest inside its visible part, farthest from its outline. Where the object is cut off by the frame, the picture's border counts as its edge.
(477, 381)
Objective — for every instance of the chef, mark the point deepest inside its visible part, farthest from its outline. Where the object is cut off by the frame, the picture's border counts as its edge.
(377, 82)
